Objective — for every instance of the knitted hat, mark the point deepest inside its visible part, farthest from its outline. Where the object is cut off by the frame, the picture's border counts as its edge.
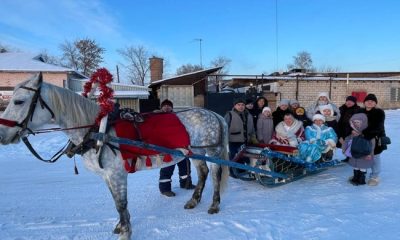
(324, 107)
(167, 102)
(266, 109)
(284, 102)
(351, 98)
(293, 101)
(239, 100)
(318, 116)
(372, 97)
(359, 122)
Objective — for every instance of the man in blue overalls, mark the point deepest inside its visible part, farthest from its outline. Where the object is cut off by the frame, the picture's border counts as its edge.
(185, 181)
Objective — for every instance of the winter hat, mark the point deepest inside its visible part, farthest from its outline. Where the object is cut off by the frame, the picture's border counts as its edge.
(323, 94)
(351, 98)
(239, 100)
(318, 116)
(249, 101)
(293, 101)
(327, 106)
(284, 102)
(266, 109)
(167, 102)
(372, 97)
(359, 122)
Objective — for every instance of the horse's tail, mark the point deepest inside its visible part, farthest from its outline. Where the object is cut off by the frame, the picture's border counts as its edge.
(225, 153)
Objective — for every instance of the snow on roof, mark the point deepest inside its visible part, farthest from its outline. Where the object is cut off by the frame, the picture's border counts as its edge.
(17, 61)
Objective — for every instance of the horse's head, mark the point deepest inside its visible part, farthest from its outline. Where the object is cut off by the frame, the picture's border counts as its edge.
(26, 110)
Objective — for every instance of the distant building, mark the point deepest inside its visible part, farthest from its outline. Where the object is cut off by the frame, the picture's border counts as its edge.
(305, 86)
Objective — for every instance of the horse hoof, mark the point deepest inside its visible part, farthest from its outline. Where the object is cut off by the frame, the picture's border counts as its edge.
(190, 204)
(117, 229)
(213, 210)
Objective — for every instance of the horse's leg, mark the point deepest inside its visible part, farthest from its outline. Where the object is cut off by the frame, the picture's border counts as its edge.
(216, 172)
(117, 183)
(202, 172)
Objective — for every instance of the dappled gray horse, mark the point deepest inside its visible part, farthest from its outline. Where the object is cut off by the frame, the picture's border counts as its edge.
(35, 103)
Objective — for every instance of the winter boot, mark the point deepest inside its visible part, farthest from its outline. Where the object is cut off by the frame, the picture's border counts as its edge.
(186, 183)
(356, 175)
(361, 178)
(168, 193)
(373, 181)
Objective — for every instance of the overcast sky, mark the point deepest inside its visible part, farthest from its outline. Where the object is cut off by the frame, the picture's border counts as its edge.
(259, 36)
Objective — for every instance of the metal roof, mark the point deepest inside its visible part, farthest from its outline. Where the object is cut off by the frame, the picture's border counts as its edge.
(185, 79)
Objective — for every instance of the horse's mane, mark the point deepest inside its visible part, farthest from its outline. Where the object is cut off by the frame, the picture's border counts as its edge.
(77, 109)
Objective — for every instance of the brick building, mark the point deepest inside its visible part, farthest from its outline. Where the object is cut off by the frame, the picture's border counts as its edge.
(305, 87)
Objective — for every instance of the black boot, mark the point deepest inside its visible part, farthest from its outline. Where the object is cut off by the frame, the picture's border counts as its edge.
(186, 183)
(356, 174)
(361, 178)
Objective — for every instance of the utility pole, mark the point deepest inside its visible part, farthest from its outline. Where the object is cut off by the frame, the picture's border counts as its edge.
(201, 58)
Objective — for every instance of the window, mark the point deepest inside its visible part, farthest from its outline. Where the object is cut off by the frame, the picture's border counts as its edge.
(394, 94)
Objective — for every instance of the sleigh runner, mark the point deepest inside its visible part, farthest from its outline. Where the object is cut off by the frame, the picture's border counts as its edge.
(277, 159)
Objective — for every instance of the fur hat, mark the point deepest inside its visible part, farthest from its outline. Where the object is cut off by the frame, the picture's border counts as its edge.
(327, 106)
(284, 102)
(351, 98)
(167, 102)
(323, 94)
(239, 100)
(359, 122)
(372, 97)
(318, 116)
(266, 109)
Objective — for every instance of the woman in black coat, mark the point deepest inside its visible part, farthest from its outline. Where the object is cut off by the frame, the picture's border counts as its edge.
(375, 129)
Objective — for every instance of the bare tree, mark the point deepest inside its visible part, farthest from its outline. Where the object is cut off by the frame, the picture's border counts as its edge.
(223, 62)
(188, 68)
(303, 61)
(83, 55)
(137, 63)
(70, 55)
(47, 58)
(328, 69)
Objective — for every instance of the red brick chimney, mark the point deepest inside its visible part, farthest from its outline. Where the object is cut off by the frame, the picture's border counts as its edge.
(156, 69)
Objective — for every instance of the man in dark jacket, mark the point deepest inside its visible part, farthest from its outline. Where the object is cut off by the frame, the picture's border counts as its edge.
(185, 181)
(347, 110)
(375, 129)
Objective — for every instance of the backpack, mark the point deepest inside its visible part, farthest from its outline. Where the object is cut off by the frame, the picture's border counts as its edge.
(360, 147)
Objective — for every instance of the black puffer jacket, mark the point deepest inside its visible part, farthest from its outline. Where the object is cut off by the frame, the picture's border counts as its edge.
(376, 126)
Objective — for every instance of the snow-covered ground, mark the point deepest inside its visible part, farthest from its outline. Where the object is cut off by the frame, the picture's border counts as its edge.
(47, 201)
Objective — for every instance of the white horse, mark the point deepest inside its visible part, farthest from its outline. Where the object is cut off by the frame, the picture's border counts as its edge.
(36, 103)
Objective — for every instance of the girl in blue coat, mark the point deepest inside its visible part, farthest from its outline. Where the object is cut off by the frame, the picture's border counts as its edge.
(320, 139)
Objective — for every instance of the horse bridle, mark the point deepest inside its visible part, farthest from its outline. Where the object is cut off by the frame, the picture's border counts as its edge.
(24, 124)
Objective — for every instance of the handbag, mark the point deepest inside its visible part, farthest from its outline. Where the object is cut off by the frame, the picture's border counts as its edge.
(385, 140)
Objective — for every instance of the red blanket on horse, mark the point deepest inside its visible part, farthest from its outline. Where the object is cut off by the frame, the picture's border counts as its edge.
(162, 129)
